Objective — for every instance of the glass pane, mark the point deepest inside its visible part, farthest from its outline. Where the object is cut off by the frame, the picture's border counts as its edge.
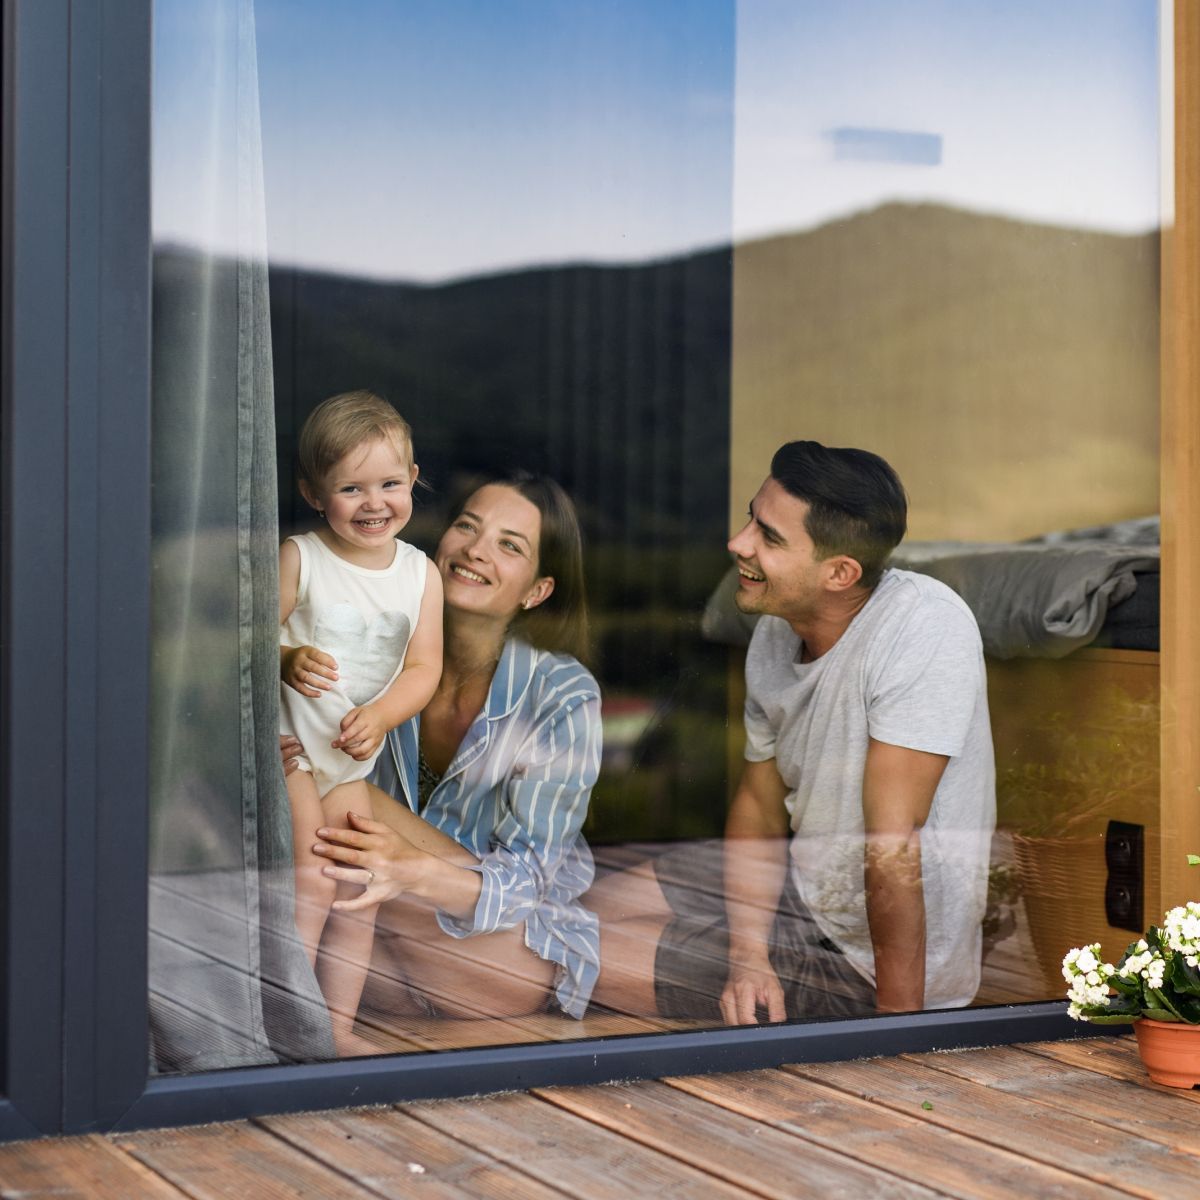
(947, 251)
(633, 249)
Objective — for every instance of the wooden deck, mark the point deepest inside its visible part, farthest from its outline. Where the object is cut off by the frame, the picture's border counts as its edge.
(1071, 1119)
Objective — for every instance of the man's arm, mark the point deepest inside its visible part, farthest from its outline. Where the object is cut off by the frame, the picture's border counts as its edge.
(898, 789)
(755, 866)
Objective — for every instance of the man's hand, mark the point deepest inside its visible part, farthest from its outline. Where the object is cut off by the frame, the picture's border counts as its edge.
(363, 731)
(751, 986)
(307, 670)
(755, 868)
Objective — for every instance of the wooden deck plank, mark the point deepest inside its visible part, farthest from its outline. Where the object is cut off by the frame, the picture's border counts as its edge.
(770, 1162)
(567, 1152)
(1045, 1120)
(237, 1159)
(1053, 1136)
(898, 1143)
(1120, 1103)
(396, 1155)
(77, 1168)
(1115, 1057)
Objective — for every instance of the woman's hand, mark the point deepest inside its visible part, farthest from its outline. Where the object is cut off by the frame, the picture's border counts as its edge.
(289, 750)
(307, 670)
(383, 862)
(363, 731)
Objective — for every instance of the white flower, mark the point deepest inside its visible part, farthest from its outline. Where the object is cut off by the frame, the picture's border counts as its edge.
(1088, 995)
(1136, 963)
(1080, 961)
(1181, 929)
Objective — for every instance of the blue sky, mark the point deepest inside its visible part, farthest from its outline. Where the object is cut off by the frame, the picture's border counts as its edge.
(429, 139)
(1046, 109)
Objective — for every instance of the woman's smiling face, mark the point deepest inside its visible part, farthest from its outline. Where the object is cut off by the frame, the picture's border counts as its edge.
(489, 556)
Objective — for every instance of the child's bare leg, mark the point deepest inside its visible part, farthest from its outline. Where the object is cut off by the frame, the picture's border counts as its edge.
(314, 892)
(346, 946)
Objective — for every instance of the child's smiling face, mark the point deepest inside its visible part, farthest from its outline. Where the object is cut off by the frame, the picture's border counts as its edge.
(367, 500)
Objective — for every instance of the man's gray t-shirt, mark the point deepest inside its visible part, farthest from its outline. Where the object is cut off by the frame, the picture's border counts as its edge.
(908, 671)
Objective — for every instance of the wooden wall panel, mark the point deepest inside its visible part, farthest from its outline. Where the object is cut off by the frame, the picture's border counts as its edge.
(1181, 479)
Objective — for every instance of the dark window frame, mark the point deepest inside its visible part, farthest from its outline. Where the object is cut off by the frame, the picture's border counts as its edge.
(75, 541)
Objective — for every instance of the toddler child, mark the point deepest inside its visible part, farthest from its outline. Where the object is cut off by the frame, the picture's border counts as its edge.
(360, 616)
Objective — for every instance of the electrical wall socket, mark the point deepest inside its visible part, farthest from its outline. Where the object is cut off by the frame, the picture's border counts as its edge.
(1124, 855)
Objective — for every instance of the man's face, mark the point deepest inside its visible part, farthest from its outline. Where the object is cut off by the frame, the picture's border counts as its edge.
(779, 573)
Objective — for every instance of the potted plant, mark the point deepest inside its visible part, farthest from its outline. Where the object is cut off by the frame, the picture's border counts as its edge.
(1156, 986)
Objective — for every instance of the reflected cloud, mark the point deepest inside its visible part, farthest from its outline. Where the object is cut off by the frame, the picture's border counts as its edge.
(886, 145)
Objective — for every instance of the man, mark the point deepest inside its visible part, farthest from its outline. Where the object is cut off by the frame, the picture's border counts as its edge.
(856, 847)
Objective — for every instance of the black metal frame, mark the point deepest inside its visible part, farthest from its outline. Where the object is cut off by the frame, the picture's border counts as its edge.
(32, 540)
(225, 1095)
(76, 540)
(74, 689)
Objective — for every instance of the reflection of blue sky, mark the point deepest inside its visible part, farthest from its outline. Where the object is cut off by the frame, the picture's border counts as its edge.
(435, 138)
(1045, 110)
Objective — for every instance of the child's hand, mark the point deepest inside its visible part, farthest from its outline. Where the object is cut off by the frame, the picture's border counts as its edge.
(307, 670)
(363, 730)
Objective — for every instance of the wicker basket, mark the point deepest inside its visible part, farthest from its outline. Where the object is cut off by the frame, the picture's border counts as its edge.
(1062, 886)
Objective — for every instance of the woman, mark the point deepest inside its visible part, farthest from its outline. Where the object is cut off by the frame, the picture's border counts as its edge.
(480, 913)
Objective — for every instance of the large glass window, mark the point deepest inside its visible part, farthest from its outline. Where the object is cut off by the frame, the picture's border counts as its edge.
(633, 249)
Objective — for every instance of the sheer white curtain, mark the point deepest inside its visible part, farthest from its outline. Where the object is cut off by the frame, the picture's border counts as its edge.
(229, 983)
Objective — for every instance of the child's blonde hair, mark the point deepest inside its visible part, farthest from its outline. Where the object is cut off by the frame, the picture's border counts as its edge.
(337, 425)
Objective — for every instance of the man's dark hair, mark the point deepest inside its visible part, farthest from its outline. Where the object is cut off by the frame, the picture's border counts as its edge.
(856, 502)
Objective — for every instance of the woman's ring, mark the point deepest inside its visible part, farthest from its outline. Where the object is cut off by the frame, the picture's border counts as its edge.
(370, 877)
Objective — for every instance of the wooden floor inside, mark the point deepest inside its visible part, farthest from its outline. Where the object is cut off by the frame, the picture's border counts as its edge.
(195, 922)
(1071, 1119)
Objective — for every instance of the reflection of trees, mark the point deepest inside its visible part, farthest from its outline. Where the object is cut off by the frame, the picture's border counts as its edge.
(612, 379)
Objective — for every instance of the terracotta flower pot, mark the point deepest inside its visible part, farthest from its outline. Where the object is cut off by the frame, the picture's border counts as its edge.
(1170, 1051)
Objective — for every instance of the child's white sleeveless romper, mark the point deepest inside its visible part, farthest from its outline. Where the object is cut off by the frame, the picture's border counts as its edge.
(364, 618)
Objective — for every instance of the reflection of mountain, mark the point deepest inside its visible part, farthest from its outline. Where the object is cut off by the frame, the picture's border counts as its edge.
(1008, 370)
(613, 379)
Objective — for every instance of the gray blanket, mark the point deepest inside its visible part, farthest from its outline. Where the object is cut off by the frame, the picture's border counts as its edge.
(1038, 600)
(1031, 599)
